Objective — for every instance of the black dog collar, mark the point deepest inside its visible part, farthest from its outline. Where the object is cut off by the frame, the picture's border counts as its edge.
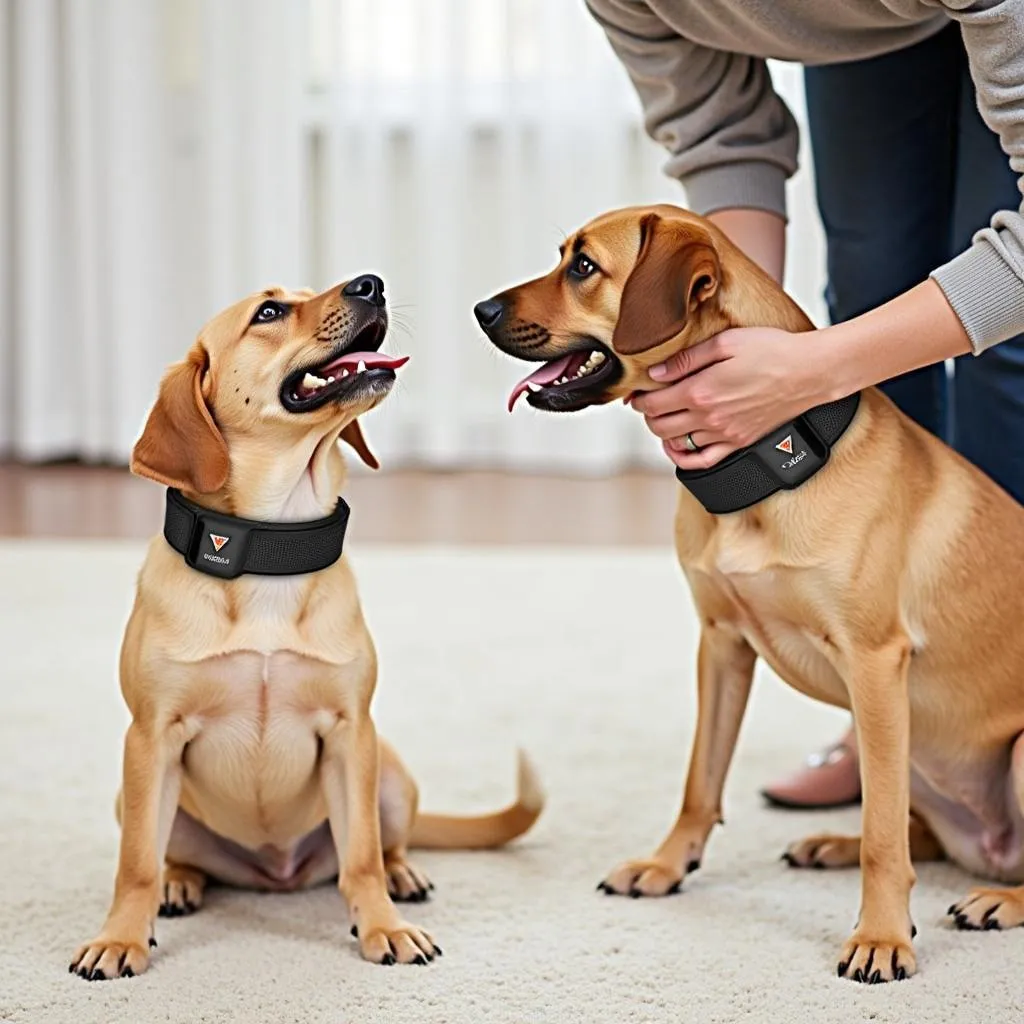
(785, 459)
(227, 546)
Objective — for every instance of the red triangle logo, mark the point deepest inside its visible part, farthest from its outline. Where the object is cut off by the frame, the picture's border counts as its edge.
(785, 445)
(218, 541)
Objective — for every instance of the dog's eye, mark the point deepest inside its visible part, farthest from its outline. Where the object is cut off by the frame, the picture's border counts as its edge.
(582, 266)
(269, 311)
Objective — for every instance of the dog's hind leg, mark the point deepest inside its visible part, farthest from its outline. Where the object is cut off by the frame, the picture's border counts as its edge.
(826, 850)
(399, 799)
(182, 891)
(984, 909)
(991, 909)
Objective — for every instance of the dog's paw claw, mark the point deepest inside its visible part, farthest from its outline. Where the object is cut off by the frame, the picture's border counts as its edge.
(406, 883)
(182, 891)
(873, 963)
(642, 878)
(823, 851)
(989, 910)
(104, 959)
(398, 943)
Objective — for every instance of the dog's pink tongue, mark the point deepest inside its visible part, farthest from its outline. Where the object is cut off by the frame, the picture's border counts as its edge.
(547, 374)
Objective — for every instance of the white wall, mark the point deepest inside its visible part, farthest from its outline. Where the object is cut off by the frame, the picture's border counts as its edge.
(172, 155)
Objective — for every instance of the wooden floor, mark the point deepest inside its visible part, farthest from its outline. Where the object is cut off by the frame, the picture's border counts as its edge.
(76, 501)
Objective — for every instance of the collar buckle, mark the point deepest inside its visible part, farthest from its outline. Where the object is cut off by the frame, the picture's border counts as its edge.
(793, 453)
(217, 545)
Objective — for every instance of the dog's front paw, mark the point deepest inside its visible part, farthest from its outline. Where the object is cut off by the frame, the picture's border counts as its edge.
(651, 877)
(874, 960)
(397, 942)
(105, 958)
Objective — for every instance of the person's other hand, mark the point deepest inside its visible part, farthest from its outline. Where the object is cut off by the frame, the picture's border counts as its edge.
(731, 390)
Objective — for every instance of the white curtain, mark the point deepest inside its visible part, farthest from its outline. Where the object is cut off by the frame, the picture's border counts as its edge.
(162, 158)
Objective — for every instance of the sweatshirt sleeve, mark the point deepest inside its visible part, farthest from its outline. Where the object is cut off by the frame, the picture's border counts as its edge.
(731, 139)
(985, 283)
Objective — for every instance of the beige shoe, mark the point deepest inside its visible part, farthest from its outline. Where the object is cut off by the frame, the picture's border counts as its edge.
(830, 778)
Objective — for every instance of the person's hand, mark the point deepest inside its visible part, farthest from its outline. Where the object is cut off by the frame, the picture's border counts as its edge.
(733, 389)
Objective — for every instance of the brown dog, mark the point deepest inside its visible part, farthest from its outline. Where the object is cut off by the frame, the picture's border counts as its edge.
(251, 758)
(887, 584)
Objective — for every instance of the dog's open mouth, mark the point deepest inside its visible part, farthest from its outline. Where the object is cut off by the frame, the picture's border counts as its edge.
(571, 382)
(354, 371)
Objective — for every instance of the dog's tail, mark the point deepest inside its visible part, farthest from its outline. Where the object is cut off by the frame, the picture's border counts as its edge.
(485, 831)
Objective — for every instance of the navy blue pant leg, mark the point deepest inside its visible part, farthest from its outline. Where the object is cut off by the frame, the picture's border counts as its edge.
(883, 137)
(906, 171)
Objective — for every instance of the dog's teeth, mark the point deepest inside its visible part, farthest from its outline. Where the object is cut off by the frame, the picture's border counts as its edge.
(311, 383)
(362, 366)
(597, 358)
(533, 387)
(330, 380)
(344, 372)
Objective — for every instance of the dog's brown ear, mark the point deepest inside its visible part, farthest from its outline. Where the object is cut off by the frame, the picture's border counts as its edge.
(180, 444)
(674, 273)
(353, 434)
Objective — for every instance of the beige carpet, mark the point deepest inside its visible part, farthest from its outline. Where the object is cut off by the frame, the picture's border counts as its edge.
(480, 651)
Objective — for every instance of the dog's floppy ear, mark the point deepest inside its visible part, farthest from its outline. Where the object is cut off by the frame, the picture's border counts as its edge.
(180, 445)
(674, 273)
(353, 434)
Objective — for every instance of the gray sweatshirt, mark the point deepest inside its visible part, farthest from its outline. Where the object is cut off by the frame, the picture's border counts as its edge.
(699, 67)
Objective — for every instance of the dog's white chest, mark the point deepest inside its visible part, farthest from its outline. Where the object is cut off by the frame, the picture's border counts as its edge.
(253, 761)
(772, 607)
(266, 622)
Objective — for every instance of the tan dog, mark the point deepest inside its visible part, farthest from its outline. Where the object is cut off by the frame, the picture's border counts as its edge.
(888, 584)
(251, 757)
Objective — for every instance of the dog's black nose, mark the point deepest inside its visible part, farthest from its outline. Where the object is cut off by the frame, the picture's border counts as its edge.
(488, 312)
(367, 286)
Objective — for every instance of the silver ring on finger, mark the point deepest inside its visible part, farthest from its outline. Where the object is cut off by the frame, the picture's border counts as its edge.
(690, 443)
